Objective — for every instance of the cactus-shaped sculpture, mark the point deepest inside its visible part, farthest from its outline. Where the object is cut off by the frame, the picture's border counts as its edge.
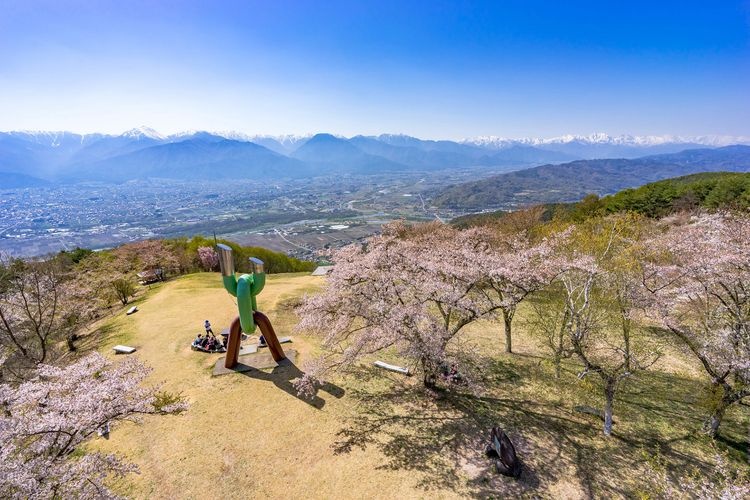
(246, 288)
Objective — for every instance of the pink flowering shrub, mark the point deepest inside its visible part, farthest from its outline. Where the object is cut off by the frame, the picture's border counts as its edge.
(209, 258)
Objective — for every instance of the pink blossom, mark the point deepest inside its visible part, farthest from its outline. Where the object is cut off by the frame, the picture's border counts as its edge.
(208, 257)
(699, 277)
(46, 419)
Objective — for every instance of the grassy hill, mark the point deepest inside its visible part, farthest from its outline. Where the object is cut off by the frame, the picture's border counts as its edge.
(377, 435)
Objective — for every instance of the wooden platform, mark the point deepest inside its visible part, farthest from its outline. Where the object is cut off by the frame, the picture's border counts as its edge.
(256, 361)
(248, 349)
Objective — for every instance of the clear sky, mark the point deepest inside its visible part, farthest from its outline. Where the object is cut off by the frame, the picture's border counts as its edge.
(432, 69)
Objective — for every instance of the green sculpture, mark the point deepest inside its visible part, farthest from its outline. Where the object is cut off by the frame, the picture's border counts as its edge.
(246, 288)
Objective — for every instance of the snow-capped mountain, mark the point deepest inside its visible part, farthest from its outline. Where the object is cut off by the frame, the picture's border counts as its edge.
(143, 132)
(601, 145)
(53, 138)
(285, 139)
(288, 142)
(600, 138)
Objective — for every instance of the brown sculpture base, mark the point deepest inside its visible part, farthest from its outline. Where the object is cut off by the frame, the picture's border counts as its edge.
(235, 339)
(258, 361)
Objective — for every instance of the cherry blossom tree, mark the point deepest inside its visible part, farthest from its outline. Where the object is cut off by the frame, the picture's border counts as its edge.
(412, 288)
(146, 255)
(92, 279)
(208, 257)
(699, 274)
(124, 289)
(604, 305)
(46, 420)
(36, 312)
(514, 267)
(548, 320)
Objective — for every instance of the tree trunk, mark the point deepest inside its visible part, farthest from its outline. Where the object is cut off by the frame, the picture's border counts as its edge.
(714, 421)
(626, 338)
(430, 377)
(609, 403)
(560, 347)
(507, 320)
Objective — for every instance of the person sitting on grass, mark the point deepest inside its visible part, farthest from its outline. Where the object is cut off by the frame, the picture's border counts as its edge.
(198, 340)
(451, 374)
(454, 376)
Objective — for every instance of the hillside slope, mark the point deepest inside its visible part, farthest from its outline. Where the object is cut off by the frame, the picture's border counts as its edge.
(708, 190)
(572, 181)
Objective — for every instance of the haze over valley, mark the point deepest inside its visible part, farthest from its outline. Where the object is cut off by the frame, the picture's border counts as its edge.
(302, 194)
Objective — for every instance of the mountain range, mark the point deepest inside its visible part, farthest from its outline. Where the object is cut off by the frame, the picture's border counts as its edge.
(39, 158)
(572, 181)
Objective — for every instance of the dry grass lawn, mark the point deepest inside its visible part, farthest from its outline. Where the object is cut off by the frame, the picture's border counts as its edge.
(244, 435)
(375, 435)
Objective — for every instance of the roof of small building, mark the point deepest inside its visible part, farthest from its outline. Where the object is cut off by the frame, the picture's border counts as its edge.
(322, 270)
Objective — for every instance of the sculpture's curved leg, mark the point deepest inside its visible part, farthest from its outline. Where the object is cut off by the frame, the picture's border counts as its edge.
(270, 335)
(233, 345)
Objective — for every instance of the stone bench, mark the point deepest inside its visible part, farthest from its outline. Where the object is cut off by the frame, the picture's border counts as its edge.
(123, 349)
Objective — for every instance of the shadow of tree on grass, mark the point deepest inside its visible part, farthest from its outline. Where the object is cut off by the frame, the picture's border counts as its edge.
(282, 377)
(441, 435)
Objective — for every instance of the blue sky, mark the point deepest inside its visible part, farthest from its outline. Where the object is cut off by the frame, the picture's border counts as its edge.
(431, 69)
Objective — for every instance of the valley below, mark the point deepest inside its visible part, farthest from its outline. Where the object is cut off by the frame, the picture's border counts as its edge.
(299, 217)
(324, 192)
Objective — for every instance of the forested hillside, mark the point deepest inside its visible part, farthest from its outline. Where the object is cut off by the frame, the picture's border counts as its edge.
(710, 190)
(572, 181)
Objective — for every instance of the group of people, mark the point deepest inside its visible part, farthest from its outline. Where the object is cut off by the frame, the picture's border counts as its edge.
(209, 342)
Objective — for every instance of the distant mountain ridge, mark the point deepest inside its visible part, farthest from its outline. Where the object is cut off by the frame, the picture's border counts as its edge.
(623, 140)
(198, 159)
(12, 180)
(571, 181)
(143, 152)
(600, 145)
